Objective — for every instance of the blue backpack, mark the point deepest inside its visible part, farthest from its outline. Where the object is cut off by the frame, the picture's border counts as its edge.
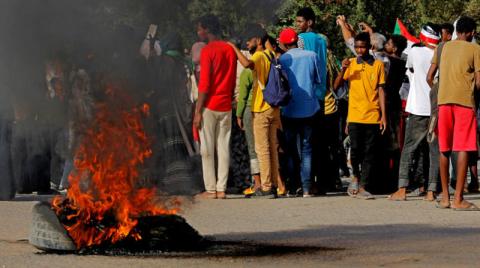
(277, 90)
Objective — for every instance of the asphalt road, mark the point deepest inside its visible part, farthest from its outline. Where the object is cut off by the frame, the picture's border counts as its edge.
(335, 230)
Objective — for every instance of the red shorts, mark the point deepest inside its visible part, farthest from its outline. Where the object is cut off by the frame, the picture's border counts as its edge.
(457, 128)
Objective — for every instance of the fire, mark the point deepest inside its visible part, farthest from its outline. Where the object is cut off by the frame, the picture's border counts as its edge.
(105, 199)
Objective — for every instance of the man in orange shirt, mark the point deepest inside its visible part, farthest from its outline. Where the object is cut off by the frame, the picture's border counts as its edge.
(366, 112)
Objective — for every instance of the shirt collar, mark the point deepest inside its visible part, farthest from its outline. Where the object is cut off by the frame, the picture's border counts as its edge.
(369, 59)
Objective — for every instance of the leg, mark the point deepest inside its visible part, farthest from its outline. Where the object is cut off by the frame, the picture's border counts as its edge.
(275, 128)
(261, 127)
(290, 134)
(207, 149)
(462, 165)
(415, 135)
(64, 183)
(254, 165)
(434, 171)
(464, 141)
(445, 143)
(248, 126)
(445, 178)
(223, 148)
(371, 135)
(306, 131)
(355, 132)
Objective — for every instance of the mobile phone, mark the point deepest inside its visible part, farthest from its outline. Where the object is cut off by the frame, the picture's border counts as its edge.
(152, 30)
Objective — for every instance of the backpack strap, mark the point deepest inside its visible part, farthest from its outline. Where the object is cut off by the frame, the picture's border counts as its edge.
(272, 60)
(270, 57)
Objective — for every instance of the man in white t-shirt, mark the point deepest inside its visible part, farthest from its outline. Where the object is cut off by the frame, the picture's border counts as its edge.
(415, 151)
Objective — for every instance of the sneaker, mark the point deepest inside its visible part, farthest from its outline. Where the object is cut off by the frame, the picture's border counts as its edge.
(281, 194)
(307, 195)
(249, 191)
(263, 194)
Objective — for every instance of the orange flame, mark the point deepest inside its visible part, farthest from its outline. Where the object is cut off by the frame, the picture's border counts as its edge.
(104, 184)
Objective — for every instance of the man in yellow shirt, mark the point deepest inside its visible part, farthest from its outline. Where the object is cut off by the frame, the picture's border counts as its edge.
(266, 119)
(366, 112)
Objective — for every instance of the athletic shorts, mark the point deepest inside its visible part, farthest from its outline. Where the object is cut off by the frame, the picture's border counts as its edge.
(457, 128)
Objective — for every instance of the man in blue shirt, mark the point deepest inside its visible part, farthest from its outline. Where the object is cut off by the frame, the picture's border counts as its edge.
(312, 41)
(304, 76)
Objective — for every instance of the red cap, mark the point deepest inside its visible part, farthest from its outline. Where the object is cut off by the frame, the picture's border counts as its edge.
(288, 36)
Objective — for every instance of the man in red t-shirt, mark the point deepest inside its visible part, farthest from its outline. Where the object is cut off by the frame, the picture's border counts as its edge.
(213, 112)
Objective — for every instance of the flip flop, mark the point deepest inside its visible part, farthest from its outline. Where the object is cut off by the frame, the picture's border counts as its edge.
(471, 207)
(353, 186)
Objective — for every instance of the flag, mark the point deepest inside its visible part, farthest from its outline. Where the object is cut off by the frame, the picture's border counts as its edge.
(403, 31)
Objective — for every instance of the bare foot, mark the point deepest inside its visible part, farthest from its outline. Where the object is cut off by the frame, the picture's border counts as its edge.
(400, 195)
(463, 205)
(430, 196)
(443, 203)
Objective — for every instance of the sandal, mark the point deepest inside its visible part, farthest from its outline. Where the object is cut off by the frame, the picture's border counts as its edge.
(353, 189)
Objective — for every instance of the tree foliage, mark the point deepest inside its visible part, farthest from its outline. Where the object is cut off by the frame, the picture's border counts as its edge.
(381, 15)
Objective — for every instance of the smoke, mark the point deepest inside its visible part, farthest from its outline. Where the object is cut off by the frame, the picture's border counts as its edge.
(47, 44)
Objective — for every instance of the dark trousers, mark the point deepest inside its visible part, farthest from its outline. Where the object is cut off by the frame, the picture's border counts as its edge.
(414, 160)
(364, 140)
(319, 153)
(330, 136)
(342, 123)
(434, 171)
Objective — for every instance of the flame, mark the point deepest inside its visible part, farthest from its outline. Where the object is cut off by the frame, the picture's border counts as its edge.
(104, 200)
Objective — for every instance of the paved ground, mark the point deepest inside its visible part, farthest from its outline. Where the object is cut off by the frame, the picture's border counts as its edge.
(347, 232)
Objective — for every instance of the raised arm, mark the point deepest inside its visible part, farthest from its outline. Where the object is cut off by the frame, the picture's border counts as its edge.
(347, 31)
(339, 80)
(244, 61)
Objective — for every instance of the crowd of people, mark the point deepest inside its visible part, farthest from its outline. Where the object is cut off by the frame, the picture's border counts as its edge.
(282, 116)
(402, 122)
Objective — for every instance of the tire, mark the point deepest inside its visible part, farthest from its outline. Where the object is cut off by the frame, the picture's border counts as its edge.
(47, 233)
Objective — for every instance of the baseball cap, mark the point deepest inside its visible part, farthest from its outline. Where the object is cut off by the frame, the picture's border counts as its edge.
(288, 36)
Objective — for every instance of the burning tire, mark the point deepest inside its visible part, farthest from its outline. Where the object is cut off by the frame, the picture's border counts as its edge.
(47, 233)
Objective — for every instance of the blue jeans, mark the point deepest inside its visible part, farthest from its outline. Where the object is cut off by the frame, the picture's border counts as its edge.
(298, 138)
